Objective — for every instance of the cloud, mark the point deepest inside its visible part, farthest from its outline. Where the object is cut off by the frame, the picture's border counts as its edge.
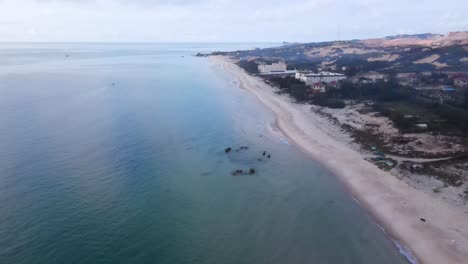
(144, 3)
(224, 20)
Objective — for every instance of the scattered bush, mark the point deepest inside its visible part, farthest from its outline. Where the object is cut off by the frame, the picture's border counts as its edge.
(296, 88)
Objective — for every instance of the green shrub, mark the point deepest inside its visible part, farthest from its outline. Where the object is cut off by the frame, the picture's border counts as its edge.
(336, 104)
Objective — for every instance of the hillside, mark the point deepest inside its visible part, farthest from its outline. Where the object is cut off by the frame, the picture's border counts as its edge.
(402, 53)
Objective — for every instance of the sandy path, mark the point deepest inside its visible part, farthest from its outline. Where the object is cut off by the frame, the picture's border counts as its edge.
(442, 239)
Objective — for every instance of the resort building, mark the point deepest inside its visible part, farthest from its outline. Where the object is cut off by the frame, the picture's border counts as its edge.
(370, 77)
(362, 80)
(374, 76)
(408, 77)
(461, 81)
(272, 68)
(325, 77)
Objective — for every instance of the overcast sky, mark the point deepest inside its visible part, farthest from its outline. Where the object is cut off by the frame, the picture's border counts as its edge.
(225, 20)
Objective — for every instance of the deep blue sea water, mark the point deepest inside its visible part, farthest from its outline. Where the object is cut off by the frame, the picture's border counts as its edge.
(114, 153)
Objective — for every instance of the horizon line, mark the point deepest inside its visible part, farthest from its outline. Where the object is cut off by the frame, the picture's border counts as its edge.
(221, 42)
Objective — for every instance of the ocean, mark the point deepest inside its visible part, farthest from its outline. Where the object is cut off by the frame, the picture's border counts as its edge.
(114, 153)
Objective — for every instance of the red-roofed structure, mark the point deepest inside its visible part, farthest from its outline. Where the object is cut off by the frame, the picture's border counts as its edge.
(318, 87)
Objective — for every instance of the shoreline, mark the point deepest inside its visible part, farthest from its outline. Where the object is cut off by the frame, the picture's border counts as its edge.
(398, 207)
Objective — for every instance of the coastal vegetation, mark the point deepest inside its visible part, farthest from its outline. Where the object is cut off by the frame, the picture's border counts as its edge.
(249, 66)
(294, 87)
(406, 108)
(390, 96)
(411, 111)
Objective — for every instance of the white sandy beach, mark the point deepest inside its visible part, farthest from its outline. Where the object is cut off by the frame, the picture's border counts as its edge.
(442, 239)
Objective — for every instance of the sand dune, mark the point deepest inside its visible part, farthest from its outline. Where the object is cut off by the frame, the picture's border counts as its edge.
(443, 238)
(453, 38)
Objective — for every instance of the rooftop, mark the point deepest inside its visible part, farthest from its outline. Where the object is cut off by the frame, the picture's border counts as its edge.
(322, 74)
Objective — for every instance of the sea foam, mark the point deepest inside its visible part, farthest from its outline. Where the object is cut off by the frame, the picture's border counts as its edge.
(406, 252)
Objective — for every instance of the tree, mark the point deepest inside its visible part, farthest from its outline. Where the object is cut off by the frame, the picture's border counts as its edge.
(390, 90)
(347, 89)
(249, 66)
(351, 70)
(298, 92)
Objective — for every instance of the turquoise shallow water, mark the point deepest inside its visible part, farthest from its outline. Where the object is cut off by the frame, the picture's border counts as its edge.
(135, 172)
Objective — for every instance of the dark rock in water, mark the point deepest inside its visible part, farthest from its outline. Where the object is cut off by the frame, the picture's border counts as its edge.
(269, 156)
(260, 159)
(423, 220)
(251, 171)
(238, 172)
(227, 150)
(264, 153)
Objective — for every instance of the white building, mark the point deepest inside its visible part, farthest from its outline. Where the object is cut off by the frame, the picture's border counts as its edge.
(274, 67)
(374, 76)
(461, 81)
(325, 77)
